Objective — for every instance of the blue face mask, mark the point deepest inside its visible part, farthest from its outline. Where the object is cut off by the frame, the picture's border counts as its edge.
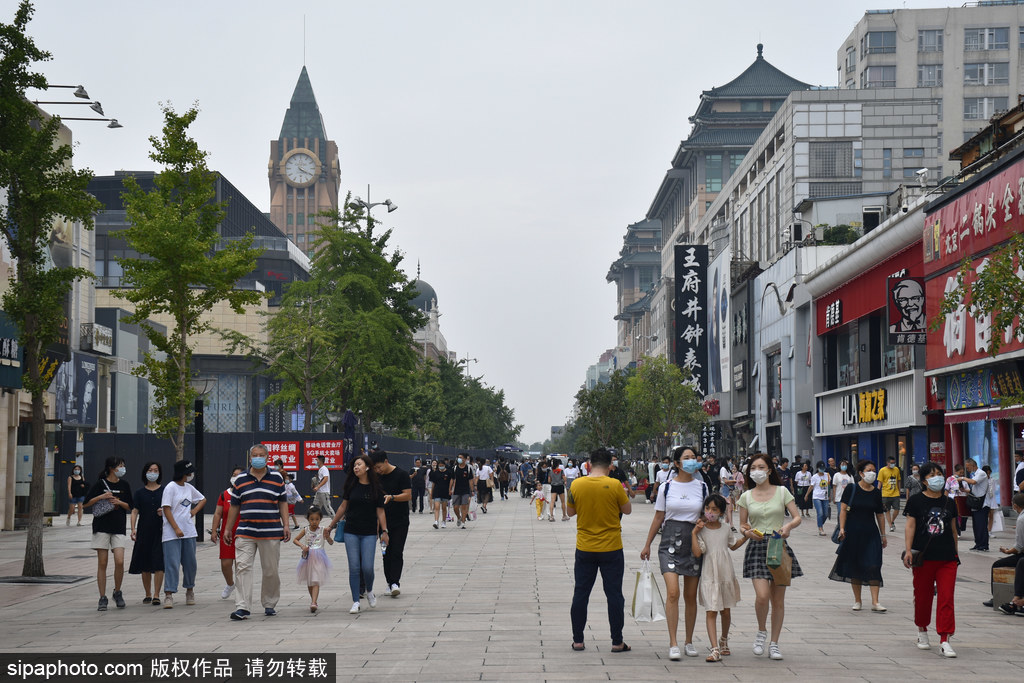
(664, 465)
(842, 467)
(259, 462)
(690, 466)
(936, 483)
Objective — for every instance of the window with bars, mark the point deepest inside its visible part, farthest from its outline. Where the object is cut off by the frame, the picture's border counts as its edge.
(929, 75)
(929, 40)
(987, 73)
(878, 77)
(831, 159)
(983, 108)
(878, 42)
(976, 39)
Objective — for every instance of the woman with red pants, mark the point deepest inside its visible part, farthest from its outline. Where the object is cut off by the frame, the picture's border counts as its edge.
(931, 549)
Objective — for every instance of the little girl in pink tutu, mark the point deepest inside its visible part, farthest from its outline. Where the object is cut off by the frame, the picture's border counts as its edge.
(314, 568)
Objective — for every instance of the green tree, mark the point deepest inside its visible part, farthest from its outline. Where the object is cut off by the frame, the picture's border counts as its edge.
(475, 414)
(661, 403)
(839, 234)
(41, 189)
(603, 413)
(183, 270)
(422, 413)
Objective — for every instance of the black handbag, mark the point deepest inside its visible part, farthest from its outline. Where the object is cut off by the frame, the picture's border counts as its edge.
(835, 532)
(975, 502)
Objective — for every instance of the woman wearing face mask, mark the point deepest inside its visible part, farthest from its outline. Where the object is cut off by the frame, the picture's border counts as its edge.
(912, 483)
(801, 485)
(440, 492)
(762, 511)
(931, 531)
(862, 537)
(219, 524)
(109, 522)
(147, 528)
(818, 492)
(77, 488)
(840, 480)
(181, 502)
(679, 505)
(727, 477)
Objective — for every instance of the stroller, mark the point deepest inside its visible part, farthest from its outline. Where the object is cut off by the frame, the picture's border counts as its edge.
(528, 485)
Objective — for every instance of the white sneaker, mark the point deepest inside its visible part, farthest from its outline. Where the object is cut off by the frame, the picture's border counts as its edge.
(435, 523)
(395, 590)
(673, 653)
(444, 525)
(762, 636)
(774, 652)
(226, 593)
(856, 607)
(947, 650)
(922, 641)
(690, 650)
(877, 607)
(355, 608)
(371, 598)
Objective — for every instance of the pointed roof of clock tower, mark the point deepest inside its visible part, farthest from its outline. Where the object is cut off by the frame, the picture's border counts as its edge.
(303, 120)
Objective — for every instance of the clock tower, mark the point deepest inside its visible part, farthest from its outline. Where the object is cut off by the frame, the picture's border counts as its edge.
(303, 170)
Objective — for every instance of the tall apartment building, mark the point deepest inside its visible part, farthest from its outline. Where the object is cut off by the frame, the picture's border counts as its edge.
(969, 56)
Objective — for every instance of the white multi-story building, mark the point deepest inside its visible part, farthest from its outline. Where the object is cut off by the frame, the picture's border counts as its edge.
(969, 57)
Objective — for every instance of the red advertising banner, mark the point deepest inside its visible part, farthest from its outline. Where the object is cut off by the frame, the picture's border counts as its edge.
(333, 451)
(866, 293)
(285, 451)
(961, 338)
(980, 218)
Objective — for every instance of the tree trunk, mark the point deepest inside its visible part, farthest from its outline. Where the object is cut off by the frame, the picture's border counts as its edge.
(183, 369)
(33, 565)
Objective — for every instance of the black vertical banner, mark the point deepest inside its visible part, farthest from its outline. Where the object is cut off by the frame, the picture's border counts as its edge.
(691, 313)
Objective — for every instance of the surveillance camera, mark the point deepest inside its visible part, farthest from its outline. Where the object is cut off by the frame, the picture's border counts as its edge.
(921, 172)
(905, 208)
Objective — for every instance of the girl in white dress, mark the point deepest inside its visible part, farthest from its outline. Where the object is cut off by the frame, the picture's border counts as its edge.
(315, 567)
(719, 590)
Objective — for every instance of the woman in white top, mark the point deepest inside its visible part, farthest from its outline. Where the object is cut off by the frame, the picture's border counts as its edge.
(679, 505)
(802, 484)
(840, 480)
(571, 473)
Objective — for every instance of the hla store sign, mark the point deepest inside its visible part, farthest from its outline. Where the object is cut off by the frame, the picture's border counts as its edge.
(864, 407)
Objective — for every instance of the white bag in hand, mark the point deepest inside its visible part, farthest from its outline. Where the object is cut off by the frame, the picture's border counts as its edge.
(648, 605)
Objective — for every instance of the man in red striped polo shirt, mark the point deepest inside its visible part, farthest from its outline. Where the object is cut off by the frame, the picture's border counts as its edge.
(260, 504)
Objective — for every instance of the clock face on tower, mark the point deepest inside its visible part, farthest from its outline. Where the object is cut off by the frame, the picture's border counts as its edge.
(301, 168)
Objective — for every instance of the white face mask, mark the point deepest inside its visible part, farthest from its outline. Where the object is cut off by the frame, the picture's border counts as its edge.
(870, 477)
(759, 476)
(190, 477)
(235, 479)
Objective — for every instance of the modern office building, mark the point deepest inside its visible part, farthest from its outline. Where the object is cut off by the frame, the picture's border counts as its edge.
(969, 56)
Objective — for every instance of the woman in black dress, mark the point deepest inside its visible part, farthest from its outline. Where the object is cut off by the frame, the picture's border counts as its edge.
(862, 537)
(147, 532)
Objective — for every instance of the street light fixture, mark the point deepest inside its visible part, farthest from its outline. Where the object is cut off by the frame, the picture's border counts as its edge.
(79, 90)
(95, 106)
(113, 122)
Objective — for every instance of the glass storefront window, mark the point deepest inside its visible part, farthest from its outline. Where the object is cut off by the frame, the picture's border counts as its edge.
(774, 363)
(848, 355)
(982, 445)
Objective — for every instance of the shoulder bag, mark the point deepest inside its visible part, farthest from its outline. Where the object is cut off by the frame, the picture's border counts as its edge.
(835, 532)
(102, 507)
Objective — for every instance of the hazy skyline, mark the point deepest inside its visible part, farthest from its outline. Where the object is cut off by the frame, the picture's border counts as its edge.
(518, 139)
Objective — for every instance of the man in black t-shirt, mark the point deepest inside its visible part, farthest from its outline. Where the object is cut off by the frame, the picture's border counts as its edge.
(397, 487)
(461, 489)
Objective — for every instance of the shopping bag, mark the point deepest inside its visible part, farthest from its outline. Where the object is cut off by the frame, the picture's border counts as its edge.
(647, 605)
(780, 564)
(472, 510)
(997, 520)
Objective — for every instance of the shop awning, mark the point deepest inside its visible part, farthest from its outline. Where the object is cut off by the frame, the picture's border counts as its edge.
(988, 413)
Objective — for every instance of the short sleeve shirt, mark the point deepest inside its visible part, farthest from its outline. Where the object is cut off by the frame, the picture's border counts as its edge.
(462, 476)
(598, 502)
(889, 481)
(769, 516)
(681, 501)
(819, 484)
(324, 473)
(361, 511)
(393, 483)
(115, 521)
(934, 520)
(180, 500)
(258, 500)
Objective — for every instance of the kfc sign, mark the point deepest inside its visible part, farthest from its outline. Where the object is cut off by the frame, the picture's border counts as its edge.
(285, 451)
(332, 450)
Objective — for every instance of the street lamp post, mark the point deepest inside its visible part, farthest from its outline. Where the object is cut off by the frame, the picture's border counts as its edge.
(202, 386)
(366, 205)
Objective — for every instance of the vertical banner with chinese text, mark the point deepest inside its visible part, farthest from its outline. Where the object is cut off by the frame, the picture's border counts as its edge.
(691, 314)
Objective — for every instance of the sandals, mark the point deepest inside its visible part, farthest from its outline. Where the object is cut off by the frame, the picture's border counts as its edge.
(622, 648)
(723, 646)
(715, 656)
(579, 647)
(312, 607)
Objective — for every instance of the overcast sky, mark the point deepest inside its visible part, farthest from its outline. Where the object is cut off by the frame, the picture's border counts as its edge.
(518, 138)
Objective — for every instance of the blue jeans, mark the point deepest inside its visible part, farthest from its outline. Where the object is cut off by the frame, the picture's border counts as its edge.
(839, 508)
(179, 552)
(360, 551)
(821, 508)
(612, 564)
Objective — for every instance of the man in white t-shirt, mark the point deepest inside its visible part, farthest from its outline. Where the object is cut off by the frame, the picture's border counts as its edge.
(483, 475)
(322, 489)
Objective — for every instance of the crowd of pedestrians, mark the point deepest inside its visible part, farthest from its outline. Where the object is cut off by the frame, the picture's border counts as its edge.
(694, 501)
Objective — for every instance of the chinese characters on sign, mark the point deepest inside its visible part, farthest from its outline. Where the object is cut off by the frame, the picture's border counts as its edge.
(691, 314)
(332, 450)
(285, 451)
(865, 406)
(834, 314)
(709, 435)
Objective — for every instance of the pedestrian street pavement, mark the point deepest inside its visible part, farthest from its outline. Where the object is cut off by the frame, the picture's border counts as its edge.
(491, 603)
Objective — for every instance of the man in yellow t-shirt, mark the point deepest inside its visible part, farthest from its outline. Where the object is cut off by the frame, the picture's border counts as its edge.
(597, 500)
(889, 482)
